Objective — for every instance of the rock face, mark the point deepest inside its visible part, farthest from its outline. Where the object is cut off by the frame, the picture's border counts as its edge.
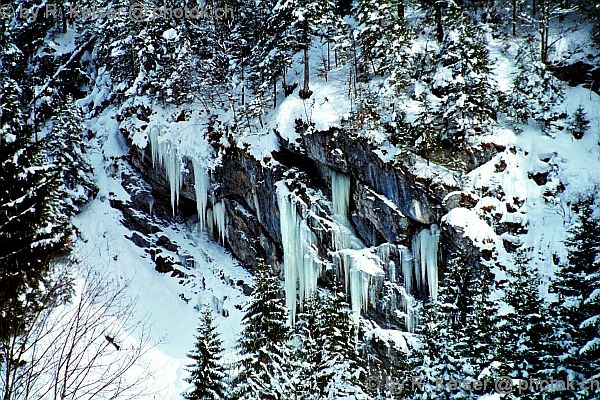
(389, 204)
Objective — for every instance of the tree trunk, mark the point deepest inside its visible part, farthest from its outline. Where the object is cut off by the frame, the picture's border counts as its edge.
(514, 17)
(438, 22)
(243, 84)
(305, 93)
(544, 28)
(401, 10)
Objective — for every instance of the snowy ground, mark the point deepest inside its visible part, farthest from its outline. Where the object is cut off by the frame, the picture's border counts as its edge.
(103, 244)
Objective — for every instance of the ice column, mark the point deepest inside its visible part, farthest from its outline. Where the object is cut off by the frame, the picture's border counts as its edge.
(218, 216)
(358, 264)
(166, 154)
(201, 187)
(407, 269)
(301, 266)
(425, 257)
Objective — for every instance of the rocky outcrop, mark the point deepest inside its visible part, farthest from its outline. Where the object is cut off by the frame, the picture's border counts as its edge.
(389, 204)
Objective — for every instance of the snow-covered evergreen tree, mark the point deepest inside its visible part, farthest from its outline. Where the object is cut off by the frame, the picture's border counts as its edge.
(381, 32)
(263, 343)
(578, 123)
(577, 284)
(65, 146)
(327, 350)
(29, 234)
(207, 374)
(535, 94)
(462, 81)
(523, 331)
(457, 331)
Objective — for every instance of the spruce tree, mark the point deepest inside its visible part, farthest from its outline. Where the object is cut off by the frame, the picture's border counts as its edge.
(327, 350)
(523, 331)
(381, 33)
(207, 372)
(463, 84)
(65, 146)
(26, 238)
(578, 123)
(535, 94)
(457, 331)
(577, 284)
(263, 344)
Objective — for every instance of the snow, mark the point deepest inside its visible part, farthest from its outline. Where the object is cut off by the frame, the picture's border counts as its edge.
(473, 227)
(170, 34)
(103, 245)
(397, 338)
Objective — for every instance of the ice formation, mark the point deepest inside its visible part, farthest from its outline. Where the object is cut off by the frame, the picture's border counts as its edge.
(407, 268)
(359, 267)
(165, 152)
(340, 193)
(357, 264)
(201, 187)
(300, 260)
(425, 258)
(219, 219)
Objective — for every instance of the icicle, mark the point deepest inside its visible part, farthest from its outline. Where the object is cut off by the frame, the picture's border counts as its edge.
(201, 188)
(166, 154)
(209, 222)
(432, 262)
(383, 251)
(151, 204)
(425, 262)
(219, 219)
(407, 268)
(425, 242)
(359, 266)
(359, 292)
(416, 249)
(392, 270)
(340, 193)
(301, 266)
(410, 314)
(154, 135)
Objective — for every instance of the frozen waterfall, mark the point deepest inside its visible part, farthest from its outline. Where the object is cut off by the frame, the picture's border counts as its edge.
(425, 259)
(201, 183)
(357, 264)
(165, 152)
(219, 220)
(300, 261)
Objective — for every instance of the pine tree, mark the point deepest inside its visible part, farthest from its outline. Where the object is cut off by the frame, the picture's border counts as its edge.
(381, 32)
(462, 82)
(579, 123)
(340, 374)
(577, 284)
(309, 19)
(457, 330)
(207, 372)
(263, 344)
(27, 236)
(65, 147)
(327, 352)
(535, 94)
(523, 331)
